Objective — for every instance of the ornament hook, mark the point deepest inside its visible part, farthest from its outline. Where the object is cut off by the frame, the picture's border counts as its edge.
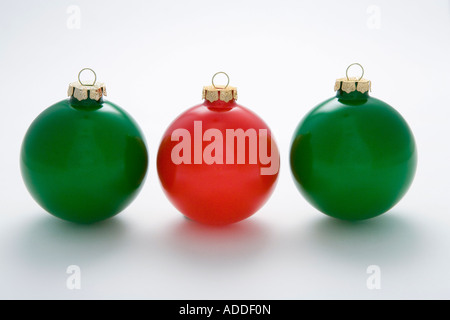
(85, 84)
(354, 64)
(220, 72)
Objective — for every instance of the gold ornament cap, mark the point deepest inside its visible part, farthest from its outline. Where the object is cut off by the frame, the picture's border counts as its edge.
(215, 92)
(82, 91)
(350, 84)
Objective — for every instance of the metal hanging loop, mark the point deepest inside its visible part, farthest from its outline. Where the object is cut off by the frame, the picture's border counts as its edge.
(355, 64)
(86, 84)
(220, 72)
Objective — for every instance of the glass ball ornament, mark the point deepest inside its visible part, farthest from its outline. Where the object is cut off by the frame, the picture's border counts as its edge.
(353, 156)
(217, 162)
(84, 159)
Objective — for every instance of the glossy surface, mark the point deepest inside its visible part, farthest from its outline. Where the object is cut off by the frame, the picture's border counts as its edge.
(353, 157)
(216, 193)
(83, 161)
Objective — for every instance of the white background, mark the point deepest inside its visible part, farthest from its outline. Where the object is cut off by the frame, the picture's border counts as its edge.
(284, 57)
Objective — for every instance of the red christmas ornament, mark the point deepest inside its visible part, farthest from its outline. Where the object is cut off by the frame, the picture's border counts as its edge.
(218, 162)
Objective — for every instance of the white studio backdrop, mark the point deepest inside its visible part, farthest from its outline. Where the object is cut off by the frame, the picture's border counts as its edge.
(284, 56)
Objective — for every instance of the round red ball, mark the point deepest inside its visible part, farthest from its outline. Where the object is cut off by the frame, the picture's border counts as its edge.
(218, 163)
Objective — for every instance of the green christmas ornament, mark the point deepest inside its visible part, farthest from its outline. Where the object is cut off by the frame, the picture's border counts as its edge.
(353, 156)
(84, 159)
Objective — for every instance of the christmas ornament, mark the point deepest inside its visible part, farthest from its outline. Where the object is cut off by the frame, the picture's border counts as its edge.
(353, 156)
(217, 161)
(84, 159)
